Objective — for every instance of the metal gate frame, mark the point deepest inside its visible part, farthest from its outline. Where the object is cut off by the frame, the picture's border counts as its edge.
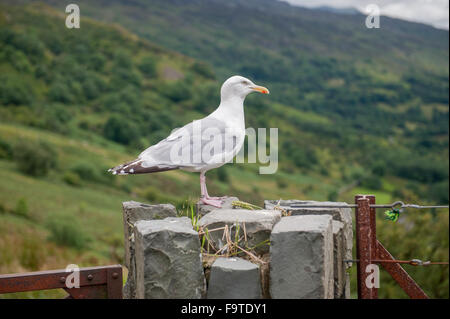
(95, 282)
(370, 251)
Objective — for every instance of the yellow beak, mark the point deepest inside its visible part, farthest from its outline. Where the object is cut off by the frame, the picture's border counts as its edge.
(260, 89)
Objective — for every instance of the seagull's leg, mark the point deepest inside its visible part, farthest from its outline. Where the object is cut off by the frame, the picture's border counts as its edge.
(204, 198)
(206, 190)
(211, 197)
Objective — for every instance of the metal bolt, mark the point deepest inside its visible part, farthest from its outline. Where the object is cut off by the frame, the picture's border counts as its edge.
(62, 279)
(115, 275)
(90, 277)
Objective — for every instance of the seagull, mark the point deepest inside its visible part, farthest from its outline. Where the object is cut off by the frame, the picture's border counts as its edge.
(203, 144)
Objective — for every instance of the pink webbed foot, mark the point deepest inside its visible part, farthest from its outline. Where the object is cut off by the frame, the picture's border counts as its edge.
(212, 202)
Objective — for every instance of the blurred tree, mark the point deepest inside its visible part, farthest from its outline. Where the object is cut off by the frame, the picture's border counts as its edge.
(60, 92)
(119, 130)
(148, 66)
(203, 69)
(35, 159)
(15, 91)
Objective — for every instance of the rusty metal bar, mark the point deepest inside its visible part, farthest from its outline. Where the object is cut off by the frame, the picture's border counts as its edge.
(87, 292)
(95, 282)
(373, 237)
(365, 239)
(400, 275)
(357, 230)
(114, 283)
(369, 250)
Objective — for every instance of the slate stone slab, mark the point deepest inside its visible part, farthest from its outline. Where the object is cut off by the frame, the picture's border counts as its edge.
(340, 274)
(203, 209)
(258, 225)
(234, 278)
(343, 215)
(168, 260)
(132, 212)
(301, 258)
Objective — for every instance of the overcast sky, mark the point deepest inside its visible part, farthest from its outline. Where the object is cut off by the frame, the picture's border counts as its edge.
(434, 12)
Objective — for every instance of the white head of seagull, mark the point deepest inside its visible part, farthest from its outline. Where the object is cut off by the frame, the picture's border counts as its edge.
(239, 87)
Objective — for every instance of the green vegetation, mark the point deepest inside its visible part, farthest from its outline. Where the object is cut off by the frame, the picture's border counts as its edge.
(21, 208)
(351, 120)
(336, 92)
(67, 232)
(35, 159)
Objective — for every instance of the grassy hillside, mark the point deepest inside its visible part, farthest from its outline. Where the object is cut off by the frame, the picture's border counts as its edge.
(75, 102)
(377, 99)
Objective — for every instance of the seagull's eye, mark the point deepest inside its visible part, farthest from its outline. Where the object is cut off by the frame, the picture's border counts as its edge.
(245, 82)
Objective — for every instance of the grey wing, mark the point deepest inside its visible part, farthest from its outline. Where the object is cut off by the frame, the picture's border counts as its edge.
(196, 144)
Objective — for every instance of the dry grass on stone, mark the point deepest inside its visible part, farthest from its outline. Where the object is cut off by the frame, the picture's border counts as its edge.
(233, 247)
